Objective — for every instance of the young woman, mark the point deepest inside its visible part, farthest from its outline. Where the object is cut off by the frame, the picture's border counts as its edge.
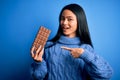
(70, 54)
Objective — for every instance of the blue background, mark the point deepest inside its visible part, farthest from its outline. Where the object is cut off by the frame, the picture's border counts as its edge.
(20, 21)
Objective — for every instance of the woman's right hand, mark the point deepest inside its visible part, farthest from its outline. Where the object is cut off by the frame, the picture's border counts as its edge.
(37, 55)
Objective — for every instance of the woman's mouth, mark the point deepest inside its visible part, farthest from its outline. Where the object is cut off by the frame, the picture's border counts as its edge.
(65, 28)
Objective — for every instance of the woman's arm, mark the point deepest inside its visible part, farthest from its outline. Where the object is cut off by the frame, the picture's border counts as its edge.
(95, 65)
(38, 70)
(38, 67)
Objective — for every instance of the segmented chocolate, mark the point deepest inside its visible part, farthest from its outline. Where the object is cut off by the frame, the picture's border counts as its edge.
(41, 37)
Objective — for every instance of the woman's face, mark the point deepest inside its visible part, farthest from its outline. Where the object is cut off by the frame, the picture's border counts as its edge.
(68, 23)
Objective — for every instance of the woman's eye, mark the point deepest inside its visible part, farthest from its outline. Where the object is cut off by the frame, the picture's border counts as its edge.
(62, 18)
(70, 19)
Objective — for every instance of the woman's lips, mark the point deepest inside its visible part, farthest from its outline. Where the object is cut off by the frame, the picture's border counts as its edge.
(65, 27)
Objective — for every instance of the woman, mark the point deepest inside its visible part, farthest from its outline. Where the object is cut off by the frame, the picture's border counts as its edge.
(70, 54)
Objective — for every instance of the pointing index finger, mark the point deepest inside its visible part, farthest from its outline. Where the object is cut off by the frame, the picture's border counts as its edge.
(67, 48)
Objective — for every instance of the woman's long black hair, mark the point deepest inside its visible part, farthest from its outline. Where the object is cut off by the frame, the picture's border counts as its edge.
(82, 29)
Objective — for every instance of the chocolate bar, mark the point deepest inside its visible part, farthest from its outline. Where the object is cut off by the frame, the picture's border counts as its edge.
(41, 37)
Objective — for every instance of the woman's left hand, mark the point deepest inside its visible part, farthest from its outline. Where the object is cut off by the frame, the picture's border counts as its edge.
(75, 52)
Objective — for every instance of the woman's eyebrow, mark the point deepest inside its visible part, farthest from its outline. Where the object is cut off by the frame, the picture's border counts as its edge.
(67, 16)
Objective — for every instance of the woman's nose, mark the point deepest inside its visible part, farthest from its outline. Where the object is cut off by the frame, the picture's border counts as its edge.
(65, 21)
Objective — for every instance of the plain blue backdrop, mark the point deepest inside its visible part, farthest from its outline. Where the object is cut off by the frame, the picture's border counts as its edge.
(21, 19)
